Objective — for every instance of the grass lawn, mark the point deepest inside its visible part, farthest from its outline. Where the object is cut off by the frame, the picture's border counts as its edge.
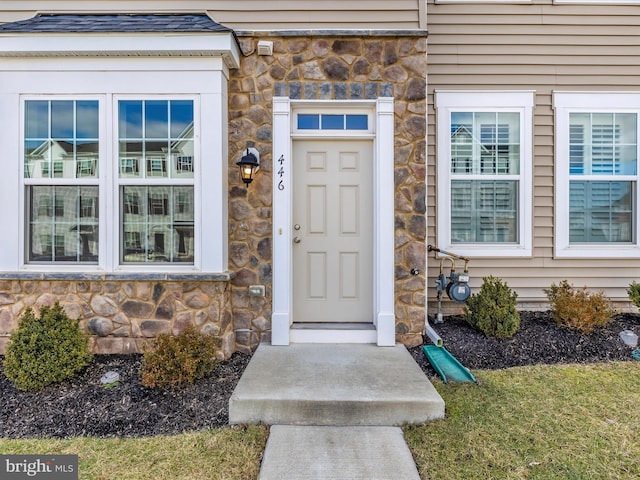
(228, 453)
(542, 422)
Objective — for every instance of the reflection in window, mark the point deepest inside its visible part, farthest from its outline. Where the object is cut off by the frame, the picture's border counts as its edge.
(129, 167)
(601, 144)
(484, 145)
(151, 134)
(63, 224)
(332, 121)
(61, 139)
(184, 164)
(162, 226)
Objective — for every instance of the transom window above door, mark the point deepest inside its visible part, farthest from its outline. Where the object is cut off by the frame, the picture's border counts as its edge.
(484, 172)
(349, 119)
(332, 121)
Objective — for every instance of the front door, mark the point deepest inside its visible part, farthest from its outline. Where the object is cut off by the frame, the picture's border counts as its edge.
(332, 231)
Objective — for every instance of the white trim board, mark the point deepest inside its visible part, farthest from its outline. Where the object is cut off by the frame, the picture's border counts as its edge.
(383, 261)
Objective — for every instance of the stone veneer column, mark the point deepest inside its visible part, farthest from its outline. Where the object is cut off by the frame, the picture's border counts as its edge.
(325, 68)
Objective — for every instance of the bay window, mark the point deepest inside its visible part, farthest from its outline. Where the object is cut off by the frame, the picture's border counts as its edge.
(597, 174)
(121, 161)
(61, 140)
(484, 172)
(155, 137)
(154, 177)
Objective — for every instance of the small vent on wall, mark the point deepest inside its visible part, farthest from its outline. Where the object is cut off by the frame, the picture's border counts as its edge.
(265, 47)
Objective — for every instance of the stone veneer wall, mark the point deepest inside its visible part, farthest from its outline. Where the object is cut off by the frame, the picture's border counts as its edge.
(122, 315)
(325, 68)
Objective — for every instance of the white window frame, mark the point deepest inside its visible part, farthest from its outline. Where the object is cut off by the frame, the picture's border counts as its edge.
(596, 2)
(60, 181)
(450, 101)
(142, 75)
(564, 104)
(150, 180)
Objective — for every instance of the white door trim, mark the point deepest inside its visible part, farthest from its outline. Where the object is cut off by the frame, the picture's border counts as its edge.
(383, 224)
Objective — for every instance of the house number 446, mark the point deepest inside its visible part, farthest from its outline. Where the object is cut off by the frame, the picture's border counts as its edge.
(281, 173)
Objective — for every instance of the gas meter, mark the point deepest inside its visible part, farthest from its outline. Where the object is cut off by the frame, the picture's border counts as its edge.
(458, 288)
(456, 284)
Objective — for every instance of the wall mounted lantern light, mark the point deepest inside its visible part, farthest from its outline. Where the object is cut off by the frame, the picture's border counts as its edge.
(249, 164)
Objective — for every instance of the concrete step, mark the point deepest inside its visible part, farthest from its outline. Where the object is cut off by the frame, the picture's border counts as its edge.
(334, 384)
(333, 333)
(332, 453)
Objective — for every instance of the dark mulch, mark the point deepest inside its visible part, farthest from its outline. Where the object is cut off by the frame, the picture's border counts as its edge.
(83, 407)
(538, 341)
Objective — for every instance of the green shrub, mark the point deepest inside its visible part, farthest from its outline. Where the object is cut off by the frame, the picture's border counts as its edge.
(493, 309)
(634, 293)
(179, 359)
(45, 349)
(578, 308)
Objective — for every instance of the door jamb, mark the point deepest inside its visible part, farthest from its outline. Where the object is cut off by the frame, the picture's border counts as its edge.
(383, 222)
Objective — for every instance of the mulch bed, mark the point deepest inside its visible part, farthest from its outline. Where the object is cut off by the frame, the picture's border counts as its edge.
(82, 406)
(538, 341)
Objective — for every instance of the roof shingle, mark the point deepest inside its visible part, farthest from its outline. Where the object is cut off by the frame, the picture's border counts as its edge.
(120, 23)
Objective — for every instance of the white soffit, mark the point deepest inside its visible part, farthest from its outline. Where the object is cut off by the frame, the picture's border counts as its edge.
(78, 44)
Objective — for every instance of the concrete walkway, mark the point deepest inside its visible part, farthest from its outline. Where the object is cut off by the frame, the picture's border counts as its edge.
(340, 453)
(335, 409)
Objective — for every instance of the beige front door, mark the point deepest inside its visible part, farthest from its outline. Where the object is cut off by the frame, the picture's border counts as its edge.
(332, 231)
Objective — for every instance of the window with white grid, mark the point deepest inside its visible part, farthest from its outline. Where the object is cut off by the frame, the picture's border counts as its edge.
(597, 174)
(484, 172)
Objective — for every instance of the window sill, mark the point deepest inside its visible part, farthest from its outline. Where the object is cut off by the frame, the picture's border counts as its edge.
(120, 276)
(598, 252)
(490, 251)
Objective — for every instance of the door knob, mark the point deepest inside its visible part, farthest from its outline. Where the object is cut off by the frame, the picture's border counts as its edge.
(297, 239)
(296, 227)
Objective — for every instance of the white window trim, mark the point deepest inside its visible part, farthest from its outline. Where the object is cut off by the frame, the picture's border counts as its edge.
(141, 77)
(100, 182)
(383, 259)
(357, 107)
(596, 2)
(488, 2)
(565, 103)
(115, 240)
(448, 101)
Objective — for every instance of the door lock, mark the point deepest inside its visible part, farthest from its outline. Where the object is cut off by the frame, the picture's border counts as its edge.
(296, 227)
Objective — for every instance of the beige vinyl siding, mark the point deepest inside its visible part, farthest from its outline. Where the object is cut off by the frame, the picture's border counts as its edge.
(251, 15)
(542, 47)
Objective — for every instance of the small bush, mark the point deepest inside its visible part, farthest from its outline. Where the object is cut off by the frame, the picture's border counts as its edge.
(179, 359)
(493, 309)
(45, 349)
(634, 293)
(578, 308)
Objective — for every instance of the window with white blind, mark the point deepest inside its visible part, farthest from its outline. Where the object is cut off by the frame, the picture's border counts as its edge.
(597, 174)
(484, 172)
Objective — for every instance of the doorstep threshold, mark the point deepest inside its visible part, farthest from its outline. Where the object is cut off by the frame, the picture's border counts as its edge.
(332, 326)
(333, 332)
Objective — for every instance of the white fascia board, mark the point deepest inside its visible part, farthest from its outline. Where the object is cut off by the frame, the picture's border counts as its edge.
(77, 44)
